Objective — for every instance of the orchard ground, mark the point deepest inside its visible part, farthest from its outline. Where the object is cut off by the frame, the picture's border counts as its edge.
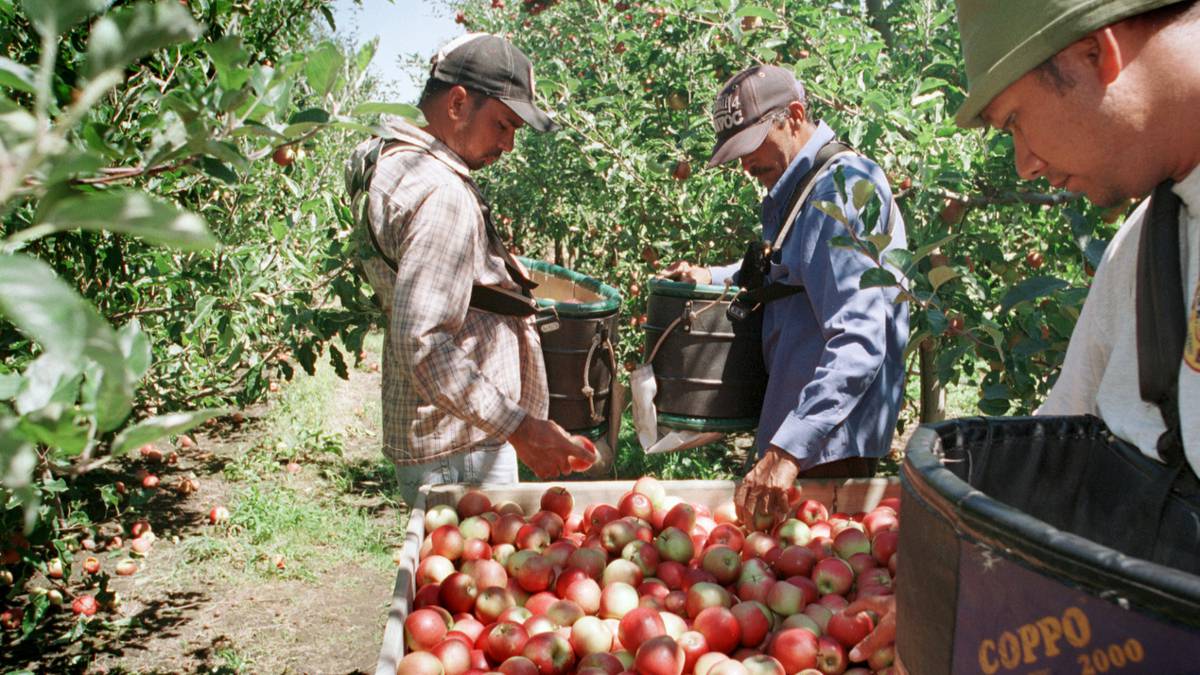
(300, 579)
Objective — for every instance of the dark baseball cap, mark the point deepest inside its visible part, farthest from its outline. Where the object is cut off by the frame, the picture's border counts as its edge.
(491, 65)
(742, 107)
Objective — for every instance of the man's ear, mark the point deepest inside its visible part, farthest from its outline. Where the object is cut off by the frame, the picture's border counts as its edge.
(1102, 52)
(456, 101)
(797, 113)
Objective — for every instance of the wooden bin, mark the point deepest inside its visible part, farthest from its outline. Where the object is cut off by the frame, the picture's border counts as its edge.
(842, 495)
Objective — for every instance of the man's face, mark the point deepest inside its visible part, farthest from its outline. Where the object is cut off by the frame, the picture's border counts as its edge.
(485, 132)
(769, 160)
(1071, 132)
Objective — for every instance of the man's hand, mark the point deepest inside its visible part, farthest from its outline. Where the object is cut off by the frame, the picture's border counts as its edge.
(687, 272)
(546, 448)
(885, 631)
(764, 491)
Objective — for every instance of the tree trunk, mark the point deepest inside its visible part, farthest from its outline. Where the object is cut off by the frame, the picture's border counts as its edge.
(879, 20)
(933, 394)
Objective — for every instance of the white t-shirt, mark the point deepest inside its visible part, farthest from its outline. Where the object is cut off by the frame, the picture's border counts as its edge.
(1100, 372)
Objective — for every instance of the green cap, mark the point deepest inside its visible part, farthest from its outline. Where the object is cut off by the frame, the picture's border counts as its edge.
(1004, 39)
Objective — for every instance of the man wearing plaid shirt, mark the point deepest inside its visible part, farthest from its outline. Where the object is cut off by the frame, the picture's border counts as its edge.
(464, 389)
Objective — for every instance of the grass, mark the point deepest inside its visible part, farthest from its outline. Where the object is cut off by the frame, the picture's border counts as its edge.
(312, 520)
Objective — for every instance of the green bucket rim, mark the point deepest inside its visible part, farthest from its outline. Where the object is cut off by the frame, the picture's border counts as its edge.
(690, 291)
(722, 424)
(612, 297)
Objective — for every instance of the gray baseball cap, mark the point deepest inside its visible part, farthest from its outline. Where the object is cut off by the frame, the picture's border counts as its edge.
(742, 107)
(492, 66)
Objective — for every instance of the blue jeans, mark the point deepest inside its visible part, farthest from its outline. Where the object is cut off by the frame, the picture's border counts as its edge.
(494, 466)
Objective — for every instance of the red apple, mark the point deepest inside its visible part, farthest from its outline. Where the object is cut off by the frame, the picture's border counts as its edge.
(419, 663)
(703, 595)
(880, 520)
(720, 628)
(84, 605)
(722, 562)
(433, 570)
(642, 554)
(589, 635)
(427, 596)
(491, 603)
(617, 534)
(849, 629)
(458, 592)
(727, 534)
(503, 640)
(763, 665)
(601, 515)
(602, 661)
(811, 511)
(650, 487)
(591, 561)
(639, 625)
(635, 504)
(558, 500)
(473, 503)
(551, 653)
(754, 621)
(831, 656)
(660, 655)
(455, 656)
(674, 544)
(617, 600)
(795, 648)
(548, 521)
(833, 575)
(883, 545)
(851, 541)
(447, 542)
(785, 599)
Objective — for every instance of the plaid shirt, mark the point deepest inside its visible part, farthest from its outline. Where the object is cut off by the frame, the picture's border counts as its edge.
(454, 378)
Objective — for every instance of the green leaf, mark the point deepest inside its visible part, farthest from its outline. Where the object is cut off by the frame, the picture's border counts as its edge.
(900, 259)
(10, 384)
(328, 17)
(324, 64)
(409, 112)
(136, 348)
(48, 380)
(17, 456)
(125, 35)
(930, 248)
(15, 75)
(154, 428)
(940, 275)
(54, 426)
(833, 211)
(219, 170)
(54, 17)
(230, 59)
(315, 115)
(133, 213)
(1031, 289)
(880, 241)
(875, 277)
(753, 10)
(864, 190)
(366, 53)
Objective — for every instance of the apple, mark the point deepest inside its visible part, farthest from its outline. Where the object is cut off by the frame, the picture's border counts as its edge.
(601, 515)
(635, 504)
(617, 534)
(420, 663)
(141, 545)
(473, 503)
(875, 577)
(722, 562)
(796, 560)
(727, 534)
(703, 595)
(447, 541)
(707, 661)
(833, 575)
(762, 664)
(650, 487)
(474, 527)
(551, 653)
(639, 625)
(849, 629)
(881, 519)
(564, 613)
(423, 629)
(726, 512)
(150, 481)
(682, 170)
(642, 554)
(674, 544)
(758, 544)
(439, 515)
(671, 573)
(831, 656)
(861, 562)
(518, 615)
(54, 568)
(793, 532)
(577, 463)
(811, 511)
(676, 603)
(11, 618)
(427, 596)
(602, 661)
(660, 655)
(458, 592)
(558, 500)
(491, 603)
(218, 514)
(91, 565)
(795, 648)
(589, 635)
(820, 614)
(84, 605)
(617, 600)
(729, 667)
(883, 545)
(821, 546)
(589, 560)
(506, 528)
(851, 541)
(126, 567)
(694, 646)
(503, 640)
(454, 655)
(804, 622)
(539, 602)
(754, 621)
(785, 599)
(720, 628)
(433, 570)
(882, 658)
(549, 521)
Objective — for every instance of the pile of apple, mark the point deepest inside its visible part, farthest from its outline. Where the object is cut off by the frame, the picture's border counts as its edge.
(652, 585)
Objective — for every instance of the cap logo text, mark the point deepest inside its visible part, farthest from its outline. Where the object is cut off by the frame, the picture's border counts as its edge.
(727, 113)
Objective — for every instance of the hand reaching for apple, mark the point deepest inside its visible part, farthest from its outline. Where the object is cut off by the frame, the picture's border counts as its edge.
(548, 450)
(685, 271)
(885, 629)
(764, 491)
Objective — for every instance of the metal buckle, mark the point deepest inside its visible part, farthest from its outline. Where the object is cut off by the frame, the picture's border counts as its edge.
(547, 320)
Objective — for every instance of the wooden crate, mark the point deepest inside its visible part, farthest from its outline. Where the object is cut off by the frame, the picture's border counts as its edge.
(843, 495)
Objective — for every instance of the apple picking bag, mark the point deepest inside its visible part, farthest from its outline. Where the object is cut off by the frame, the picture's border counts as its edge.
(1049, 531)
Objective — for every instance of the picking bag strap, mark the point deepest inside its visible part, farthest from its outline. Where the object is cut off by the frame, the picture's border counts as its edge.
(826, 156)
(1161, 316)
(770, 293)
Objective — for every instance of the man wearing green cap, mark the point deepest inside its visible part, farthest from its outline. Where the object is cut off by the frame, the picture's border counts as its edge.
(1101, 97)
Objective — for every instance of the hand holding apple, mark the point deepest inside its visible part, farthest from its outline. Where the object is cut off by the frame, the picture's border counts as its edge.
(764, 491)
(546, 448)
(684, 271)
(885, 629)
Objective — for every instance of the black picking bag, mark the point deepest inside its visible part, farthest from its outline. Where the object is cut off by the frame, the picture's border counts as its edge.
(1009, 520)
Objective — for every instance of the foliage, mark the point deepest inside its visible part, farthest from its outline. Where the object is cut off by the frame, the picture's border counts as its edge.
(995, 278)
(168, 241)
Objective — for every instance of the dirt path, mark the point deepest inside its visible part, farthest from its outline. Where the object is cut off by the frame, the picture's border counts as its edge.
(197, 606)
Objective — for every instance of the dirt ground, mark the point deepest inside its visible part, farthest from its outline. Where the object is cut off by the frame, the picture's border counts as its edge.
(180, 616)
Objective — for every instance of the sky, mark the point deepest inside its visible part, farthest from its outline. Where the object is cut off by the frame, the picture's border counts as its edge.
(404, 27)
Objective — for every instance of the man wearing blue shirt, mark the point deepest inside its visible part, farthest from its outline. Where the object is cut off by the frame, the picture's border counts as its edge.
(834, 352)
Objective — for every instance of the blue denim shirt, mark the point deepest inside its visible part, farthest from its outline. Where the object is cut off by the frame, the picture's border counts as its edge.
(835, 353)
